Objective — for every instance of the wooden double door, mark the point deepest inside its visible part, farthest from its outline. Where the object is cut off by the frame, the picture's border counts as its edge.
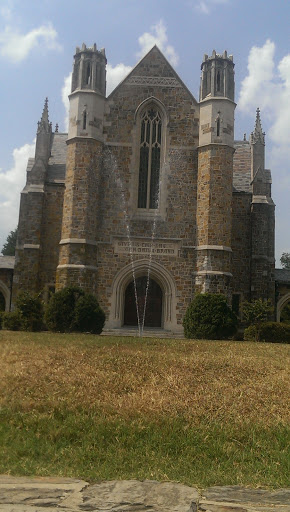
(153, 313)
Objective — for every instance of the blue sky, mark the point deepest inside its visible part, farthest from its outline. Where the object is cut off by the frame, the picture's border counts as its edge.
(38, 40)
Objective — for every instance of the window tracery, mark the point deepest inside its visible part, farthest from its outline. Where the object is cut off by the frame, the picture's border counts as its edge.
(149, 159)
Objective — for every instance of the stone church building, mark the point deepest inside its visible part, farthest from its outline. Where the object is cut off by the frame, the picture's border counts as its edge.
(148, 196)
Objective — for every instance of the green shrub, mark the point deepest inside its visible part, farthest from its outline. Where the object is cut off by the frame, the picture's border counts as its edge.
(209, 317)
(30, 308)
(71, 309)
(88, 316)
(59, 313)
(12, 321)
(273, 332)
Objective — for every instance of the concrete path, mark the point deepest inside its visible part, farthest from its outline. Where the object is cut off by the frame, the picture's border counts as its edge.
(71, 495)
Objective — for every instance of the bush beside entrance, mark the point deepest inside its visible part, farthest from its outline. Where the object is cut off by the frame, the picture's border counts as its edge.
(209, 317)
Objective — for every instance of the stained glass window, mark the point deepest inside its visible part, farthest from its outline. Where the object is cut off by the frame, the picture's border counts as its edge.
(149, 167)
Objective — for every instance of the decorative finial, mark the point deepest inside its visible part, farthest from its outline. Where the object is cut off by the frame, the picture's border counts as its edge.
(245, 137)
(44, 124)
(56, 128)
(258, 135)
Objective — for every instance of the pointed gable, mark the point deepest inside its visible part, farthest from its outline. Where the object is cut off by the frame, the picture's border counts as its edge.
(153, 70)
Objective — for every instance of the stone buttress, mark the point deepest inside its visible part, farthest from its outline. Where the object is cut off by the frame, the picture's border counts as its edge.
(262, 220)
(78, 245)
(28, 248)
(215, 176)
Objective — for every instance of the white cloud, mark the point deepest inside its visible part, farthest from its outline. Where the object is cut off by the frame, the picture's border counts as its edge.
(16, 46)
(268, 86)
(11, 184)
(159, 37)
(65, 91)
(258, 87)
(205, 6)
(115, 74)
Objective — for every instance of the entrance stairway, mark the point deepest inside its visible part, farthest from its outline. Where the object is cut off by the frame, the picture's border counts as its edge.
(149, 332)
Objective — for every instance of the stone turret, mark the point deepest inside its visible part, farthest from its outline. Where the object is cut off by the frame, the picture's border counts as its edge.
(215, 175)
(88, 93)
(78, 245)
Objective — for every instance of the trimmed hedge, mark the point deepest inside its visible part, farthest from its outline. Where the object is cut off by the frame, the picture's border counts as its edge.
(209, 317)
(273, 332)
(71, 309)
(12, 321)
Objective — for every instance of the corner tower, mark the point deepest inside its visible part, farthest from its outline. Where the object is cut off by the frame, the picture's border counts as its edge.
(78, 245)
(215, 175)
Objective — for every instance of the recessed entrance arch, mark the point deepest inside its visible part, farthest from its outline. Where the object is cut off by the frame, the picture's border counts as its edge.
(149, 302)
(5, 293)
(281, 304)
(161, 276)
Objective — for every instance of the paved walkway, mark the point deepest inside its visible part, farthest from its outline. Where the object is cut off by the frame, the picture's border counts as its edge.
(71, 495)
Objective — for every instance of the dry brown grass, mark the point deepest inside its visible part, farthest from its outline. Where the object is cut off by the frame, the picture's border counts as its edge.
(197, 380)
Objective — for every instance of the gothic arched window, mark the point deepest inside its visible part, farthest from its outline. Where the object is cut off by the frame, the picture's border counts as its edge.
(150, 153)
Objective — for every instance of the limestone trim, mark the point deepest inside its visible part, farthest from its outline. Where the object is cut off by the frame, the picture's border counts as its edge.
(213, 272)
(157, 272)
(213, 248)
(31, 246)
(77, 241)
(84, 137)
(159, 81)
(33, 188)
(6, 293)
(280, 305)
(216, 144)
(262, 200)
(77, 267)
(219, 98)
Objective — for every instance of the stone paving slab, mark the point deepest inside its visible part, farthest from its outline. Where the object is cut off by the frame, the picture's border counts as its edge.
(240, 499)
(73, 495)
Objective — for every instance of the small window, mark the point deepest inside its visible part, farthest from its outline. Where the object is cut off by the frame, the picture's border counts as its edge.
(150, 156)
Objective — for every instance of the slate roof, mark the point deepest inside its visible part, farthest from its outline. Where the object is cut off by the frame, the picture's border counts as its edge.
(242, 167)
(7, 262)
(56, 163)
(282, 275)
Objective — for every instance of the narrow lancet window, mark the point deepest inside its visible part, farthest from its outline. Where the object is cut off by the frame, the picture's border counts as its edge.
(84, 120)
(218, 81)
(88, 74)
(218, 127)
(149, 167)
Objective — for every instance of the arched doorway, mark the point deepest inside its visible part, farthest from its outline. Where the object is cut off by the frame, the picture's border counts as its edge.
(2, 302)
(153, 312)
(282, 303)
(4, 297)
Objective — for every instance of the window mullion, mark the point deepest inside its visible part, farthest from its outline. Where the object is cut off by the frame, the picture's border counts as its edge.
(149, 166)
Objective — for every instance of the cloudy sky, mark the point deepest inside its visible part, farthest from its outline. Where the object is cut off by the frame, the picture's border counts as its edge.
(38, 40)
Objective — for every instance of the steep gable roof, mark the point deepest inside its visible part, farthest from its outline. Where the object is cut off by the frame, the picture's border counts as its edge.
(140, 73)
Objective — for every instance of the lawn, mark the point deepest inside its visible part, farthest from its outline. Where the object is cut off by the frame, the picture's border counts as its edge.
(199, 412)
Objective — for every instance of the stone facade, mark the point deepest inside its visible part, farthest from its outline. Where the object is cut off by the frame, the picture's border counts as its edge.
(212, 223)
